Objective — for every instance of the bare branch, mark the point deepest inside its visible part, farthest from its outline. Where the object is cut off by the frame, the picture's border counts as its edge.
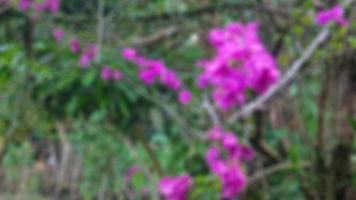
(211, 111)
(273, 169)
(100, 29)
(160, 34)
(286, 78)
(212, 9)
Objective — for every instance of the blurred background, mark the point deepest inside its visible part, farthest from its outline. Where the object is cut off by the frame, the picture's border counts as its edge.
(66, 134)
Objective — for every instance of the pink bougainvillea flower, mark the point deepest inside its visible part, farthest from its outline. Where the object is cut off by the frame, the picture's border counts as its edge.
(52, 6)
(215, 134)
(335, 14)
(84, 60)
(247, 153)
(240, 64)
(39, 6)
(4, 2)
(228, 167)
(175, 188)
(116, 75)
(128, 53)
(91, 50)
(74, 46)
(105, 73)
(233, 181)
(87, 56)
(170, 79)
(57, 34)
(150, 70)
(184, 97)
(23, 5)
(109, 74)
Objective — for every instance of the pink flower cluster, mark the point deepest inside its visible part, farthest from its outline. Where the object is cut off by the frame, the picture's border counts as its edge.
(184, 97)
(87, 55)
(151, 70)
(57, 34)
(74, 46)
(4, 2)
(23, 5)
(51, 6)
(175, 188)
(227, 168)
(110, 74)
(335, 14)
(240, 63)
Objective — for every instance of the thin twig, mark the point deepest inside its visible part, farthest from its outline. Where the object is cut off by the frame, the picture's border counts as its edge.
(212, 9)
(148, 149)
(100, 29)
(160, 34)
(211, 111)
(258, 143)
(258, 176)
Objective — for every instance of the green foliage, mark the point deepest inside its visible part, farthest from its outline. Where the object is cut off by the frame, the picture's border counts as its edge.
(103, 120)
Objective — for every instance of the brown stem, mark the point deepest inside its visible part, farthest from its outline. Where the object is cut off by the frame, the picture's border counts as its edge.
(28, 36)
(258, 176)
(344, 98)
(208, 9)
(256, 139)
(320, 165)
(149, 150)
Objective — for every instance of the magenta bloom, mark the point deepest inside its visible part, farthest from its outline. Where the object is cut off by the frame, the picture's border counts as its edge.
(170, 79)
(227, 168)
(4, 2)
(116, 75)
(52, 6)
(23, 5)
(247, 153)
(233, 181)
(39, 7)
(175, 188)
(184, 97)
(57, 34)
(105, 73)
(215, 134)
(333, 14)
(240, 64)
(87, 56)
(91, 50)
(108, 74)
(74, 46)
(150, 70)
(84, 60)
(128, 53)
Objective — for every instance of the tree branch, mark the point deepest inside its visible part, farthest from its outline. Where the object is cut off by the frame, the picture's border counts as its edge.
(258, 176)
(211, 111)
(288, 76)
(100, 29)
(285, 79)
(159, 35)
(212, 9)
